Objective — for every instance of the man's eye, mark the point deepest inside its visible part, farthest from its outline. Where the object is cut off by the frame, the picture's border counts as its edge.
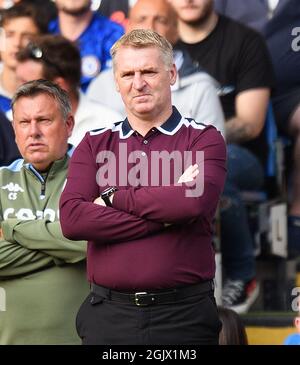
(140, 20)
(42, 121)
(149, 72)
(9, 34)
(163, 21)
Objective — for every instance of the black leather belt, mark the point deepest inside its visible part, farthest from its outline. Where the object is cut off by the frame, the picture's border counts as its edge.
(145, 298)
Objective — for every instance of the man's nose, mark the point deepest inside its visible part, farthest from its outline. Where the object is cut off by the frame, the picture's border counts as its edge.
(149, 24)
(34, 130)
(138, 81)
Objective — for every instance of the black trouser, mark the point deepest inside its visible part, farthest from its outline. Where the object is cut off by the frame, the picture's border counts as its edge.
(190, 321)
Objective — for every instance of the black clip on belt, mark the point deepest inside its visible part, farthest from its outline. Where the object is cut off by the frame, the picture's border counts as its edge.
(142, 299)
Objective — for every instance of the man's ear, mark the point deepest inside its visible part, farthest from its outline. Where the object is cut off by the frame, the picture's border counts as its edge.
(70, 124)
(173, 74)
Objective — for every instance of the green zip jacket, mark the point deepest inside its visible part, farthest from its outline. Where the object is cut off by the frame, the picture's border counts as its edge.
(42, 274)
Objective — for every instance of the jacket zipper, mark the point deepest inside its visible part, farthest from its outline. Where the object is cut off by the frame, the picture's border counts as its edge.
(42, 180)
(43, 190)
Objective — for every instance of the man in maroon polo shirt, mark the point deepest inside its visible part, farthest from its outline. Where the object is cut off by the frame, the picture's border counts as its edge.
(144, 193)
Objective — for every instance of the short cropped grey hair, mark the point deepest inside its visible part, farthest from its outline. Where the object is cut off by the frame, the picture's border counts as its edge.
(143, 38)
(37, 87)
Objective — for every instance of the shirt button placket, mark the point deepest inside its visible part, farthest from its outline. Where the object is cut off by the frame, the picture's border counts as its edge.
(145, 142)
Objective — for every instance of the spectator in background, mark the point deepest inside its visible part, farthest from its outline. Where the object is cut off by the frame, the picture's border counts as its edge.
(57, 59)
(19, 24)
(294, 338)
(238, 59)
(116, 10)
(233, 330)
(45, 8)
(194, 93)
(42, 273)
(279, 23)
(95, 34)
(8, 148)
(254, 13)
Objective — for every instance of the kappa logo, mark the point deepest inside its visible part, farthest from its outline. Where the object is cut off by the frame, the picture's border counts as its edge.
(13, 190)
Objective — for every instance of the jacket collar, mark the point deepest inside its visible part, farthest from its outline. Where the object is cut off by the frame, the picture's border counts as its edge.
(169, 127)
(56, 166)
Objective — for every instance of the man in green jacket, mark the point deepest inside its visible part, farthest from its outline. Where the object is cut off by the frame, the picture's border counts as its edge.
(41, 273)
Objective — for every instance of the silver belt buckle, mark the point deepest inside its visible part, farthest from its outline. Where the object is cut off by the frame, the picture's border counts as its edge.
(137, 298)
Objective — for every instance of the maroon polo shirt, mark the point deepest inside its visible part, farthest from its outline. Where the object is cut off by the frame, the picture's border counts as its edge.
(158, 234)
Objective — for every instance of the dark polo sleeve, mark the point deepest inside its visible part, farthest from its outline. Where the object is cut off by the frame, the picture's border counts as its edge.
(81, 219)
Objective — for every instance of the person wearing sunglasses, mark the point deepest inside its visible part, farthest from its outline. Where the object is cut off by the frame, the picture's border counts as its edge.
(94, 34)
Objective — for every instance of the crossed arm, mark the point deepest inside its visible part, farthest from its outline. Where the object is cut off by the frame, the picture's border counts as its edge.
(17, 260)
(188, 176)
(26, 246)
(137, 212)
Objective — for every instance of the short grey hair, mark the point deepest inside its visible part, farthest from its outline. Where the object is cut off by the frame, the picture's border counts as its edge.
(143, 38)
(37, 87)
